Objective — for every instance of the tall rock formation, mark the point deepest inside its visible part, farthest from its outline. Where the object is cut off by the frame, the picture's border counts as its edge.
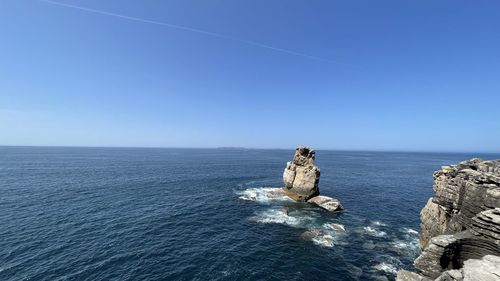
(301, 175)
(301, 179)
(460, 225)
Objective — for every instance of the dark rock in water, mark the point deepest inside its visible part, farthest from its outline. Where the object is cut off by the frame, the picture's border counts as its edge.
(301, 176)
(461, 224)
(310, 234)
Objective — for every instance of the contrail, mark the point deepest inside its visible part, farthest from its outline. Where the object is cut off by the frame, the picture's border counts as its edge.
(190, 29)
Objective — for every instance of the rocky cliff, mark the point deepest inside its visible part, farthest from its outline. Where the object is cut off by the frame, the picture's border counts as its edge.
(301, 179)
(460, 225)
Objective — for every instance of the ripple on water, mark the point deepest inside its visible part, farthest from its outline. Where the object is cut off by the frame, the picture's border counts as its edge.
(168, 214)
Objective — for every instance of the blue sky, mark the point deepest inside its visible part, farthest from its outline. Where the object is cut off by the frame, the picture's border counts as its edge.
(370, 75)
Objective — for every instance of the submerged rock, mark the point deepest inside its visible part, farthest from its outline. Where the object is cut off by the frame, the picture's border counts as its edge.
(460, 237)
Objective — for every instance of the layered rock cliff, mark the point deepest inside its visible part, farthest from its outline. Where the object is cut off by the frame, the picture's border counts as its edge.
(301, 179)
(460, 225)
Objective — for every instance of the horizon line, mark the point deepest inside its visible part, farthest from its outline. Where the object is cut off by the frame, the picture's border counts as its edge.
(253, 148)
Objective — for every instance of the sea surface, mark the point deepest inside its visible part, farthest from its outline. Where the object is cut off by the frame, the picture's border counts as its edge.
(203, 214)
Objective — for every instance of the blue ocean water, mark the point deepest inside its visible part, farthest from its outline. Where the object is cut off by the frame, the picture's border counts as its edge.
(202, 214)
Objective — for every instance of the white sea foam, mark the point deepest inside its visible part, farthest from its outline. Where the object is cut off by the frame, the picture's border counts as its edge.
(324, 240)
(398, 244)
(276, 216)
(389, 264)
(409, 245)
(334, 226)
(378, 223)
(387, 267)
(374, 232)
(409, 231)
(263, 194)
(326, 235)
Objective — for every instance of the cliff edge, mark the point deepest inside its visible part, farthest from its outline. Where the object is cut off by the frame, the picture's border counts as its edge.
(460, 225)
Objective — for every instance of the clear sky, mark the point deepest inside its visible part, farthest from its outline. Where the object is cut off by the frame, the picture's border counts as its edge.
(371, 75)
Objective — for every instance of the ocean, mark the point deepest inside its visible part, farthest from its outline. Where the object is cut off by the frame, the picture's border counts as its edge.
(203, 214)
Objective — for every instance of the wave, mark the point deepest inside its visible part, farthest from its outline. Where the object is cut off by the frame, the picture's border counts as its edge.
(281, 216)
(409, 245)
(412, 245)
(409, 231)
(263, 194)
(374, 232)
(326, 234)
(378, 223)
(324, 240)
(323, 234)
(388, 264)
(387, 267)
(334, 226)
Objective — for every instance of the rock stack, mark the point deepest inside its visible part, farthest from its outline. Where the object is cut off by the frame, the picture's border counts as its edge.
(301, 178)
(301, 175)
(460, 225)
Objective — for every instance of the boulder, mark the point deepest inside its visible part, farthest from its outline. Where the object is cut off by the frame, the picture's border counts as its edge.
(327, 203)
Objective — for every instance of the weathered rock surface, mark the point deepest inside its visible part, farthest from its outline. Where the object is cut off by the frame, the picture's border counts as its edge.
(485, 269)
(327, 203)
(404, 275)
(462, 192)
(487, 224)
(460, 225)
(301, 176)
(451, 275)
